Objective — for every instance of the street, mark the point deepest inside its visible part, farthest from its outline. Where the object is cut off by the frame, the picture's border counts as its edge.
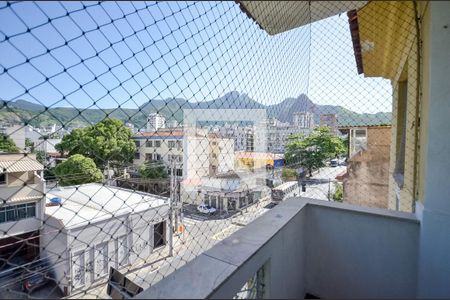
(202, 232)
(321, 182)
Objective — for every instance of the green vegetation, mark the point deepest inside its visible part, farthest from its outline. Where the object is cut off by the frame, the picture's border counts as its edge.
(289, 174)
(7, 144)
(77, 170)
(29, 145)
(107, 141)
(338, 192)
(153, 170)
(18, 111)
(312, 151)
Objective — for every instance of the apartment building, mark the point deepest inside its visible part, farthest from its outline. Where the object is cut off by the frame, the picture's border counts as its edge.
(155, 121)
(22, 189)
(368, 165)
(304, 119)
(242, 135)
(196, 152)
(165, 145)
(278, 136)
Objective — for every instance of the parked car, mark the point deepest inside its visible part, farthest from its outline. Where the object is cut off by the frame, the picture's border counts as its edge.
(206, 209)
(343, 161)
(18, 273)
(334, 163)
(34, 280)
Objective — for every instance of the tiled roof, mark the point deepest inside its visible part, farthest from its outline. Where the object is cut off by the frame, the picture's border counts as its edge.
(23, 164)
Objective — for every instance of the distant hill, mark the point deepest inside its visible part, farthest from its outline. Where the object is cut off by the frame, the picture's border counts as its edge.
(25, 112)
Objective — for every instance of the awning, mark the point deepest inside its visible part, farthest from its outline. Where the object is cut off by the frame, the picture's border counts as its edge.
(24, 164)
(280, 16)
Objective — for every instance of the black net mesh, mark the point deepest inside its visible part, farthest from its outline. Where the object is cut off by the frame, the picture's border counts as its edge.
(136, 135)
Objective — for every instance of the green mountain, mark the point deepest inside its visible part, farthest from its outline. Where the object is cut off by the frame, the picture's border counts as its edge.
(25, 112)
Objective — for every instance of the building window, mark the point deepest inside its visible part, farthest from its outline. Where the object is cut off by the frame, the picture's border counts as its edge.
(360, 133)
(148, 156)
(171, 144)
(159, 235)
(137, 155)
(137, 143)
(3, 178)
(122, 250)
(157, 144)
(179, 172)
(78, 269)
(101, 260)
(17, 212)
(149, 144)
(179, 145)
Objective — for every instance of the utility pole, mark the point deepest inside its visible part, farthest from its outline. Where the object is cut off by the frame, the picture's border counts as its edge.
(175, 197)
(329, 189)
(171, 198)
(108, 174)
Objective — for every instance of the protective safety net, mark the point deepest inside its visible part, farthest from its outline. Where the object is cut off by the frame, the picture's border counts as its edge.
(137, 135)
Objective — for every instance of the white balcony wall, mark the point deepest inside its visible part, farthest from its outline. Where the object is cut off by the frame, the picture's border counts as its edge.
(327, 249)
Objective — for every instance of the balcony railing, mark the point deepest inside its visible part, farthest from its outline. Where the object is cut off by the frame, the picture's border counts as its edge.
(306, 246)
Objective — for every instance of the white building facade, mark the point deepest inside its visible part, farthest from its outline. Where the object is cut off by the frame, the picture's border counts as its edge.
(155, 121)
(22, 190)
(304, 120)
(93, 230)
(278, 136)
(196, 153)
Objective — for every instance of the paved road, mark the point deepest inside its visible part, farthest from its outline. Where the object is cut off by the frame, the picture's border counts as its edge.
(199, 236)
(317, 186)
(203, 232)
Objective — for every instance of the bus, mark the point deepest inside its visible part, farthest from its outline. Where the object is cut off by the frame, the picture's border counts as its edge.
(285, 190)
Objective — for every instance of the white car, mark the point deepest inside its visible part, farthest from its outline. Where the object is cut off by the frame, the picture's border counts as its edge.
(206, 209)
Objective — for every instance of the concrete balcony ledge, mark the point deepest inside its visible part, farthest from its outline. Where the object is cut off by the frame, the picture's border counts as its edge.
(307, 246)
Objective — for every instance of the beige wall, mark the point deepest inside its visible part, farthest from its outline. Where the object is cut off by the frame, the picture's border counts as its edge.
(368, 171)
(424, 99)
(18, 179)
(402, 193)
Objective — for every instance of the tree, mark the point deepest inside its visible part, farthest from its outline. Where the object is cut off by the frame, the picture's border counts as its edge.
(7, 144)
(29, 145)
(108, 140)
(338, 192)
(77, 169)
(153, 170)
(312, 151)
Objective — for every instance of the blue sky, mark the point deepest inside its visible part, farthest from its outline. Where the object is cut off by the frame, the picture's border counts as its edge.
(126, 53)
